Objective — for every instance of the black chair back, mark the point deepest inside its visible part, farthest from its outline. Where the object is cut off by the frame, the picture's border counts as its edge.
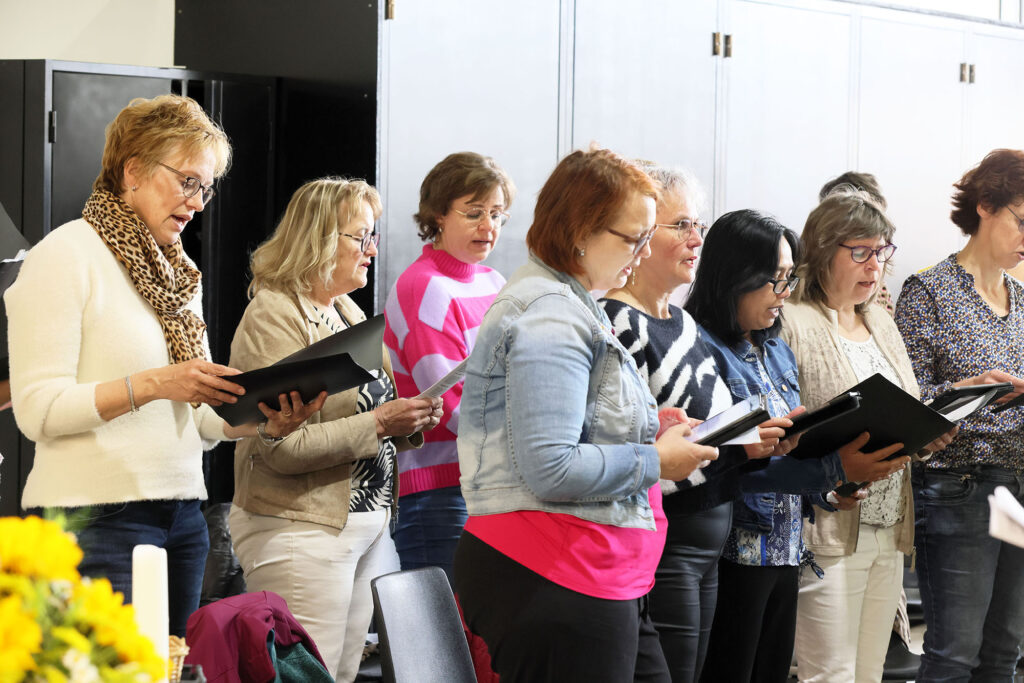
(421, 636)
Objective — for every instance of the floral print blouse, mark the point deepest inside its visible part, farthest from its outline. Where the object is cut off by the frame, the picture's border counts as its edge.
(951, 333)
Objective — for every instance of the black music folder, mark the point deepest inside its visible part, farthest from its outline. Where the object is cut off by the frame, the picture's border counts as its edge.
(12, 247)
(339, 362)
(887, 412)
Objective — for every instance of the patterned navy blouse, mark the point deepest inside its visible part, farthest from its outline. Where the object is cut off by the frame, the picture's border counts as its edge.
(952, 334)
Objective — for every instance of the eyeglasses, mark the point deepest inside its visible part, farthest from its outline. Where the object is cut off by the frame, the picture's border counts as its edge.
(686, 227)
(1020, 221)
(190, 186)
(478, 216)
(638, 242)
(862, 254)
(780, 286)
(365, 240)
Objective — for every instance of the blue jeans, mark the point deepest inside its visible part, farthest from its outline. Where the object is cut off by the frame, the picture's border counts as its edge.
(178, 526)
(972, 585)
(428, 528)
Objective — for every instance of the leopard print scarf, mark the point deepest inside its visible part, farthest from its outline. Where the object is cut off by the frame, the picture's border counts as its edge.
(164, 276)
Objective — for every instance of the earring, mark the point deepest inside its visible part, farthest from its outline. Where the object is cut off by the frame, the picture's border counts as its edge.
(582, 252)
(632, 277)
(134, 187)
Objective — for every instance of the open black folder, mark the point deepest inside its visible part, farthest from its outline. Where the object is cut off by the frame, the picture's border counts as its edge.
(341, 361)
(887, 412)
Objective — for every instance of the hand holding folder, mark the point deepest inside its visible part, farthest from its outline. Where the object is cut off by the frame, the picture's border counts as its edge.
(336, 363)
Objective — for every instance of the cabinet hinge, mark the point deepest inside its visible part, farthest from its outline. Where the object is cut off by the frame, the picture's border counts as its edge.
(716, 44)
(51, 126)
(728, 45)
(963, 72)
(970, 74)
(389, 9)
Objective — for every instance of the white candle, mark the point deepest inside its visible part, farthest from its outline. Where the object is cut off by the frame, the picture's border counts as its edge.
(149, 596)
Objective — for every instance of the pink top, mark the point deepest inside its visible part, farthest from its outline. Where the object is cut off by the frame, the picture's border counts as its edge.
(599, 560)
(433, 313)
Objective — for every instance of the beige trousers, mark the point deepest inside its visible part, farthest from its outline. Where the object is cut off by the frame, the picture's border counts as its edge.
(322, 573)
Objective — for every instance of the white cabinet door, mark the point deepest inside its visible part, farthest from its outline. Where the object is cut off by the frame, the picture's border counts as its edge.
(996, 98)
(465, 75)
(911, 118)
(644, 81)
(787, 119)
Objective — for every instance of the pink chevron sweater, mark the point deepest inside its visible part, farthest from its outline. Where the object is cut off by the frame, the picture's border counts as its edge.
(432, 315)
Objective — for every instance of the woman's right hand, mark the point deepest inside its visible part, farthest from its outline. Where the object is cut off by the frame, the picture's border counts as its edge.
(771, 433)
(405, 416)
(194, 381)
(679, 456)
(873, 466)
(995, 377)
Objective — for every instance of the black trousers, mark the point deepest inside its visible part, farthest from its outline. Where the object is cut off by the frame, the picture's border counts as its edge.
(539, 631)
(754, 626)
(686, 588)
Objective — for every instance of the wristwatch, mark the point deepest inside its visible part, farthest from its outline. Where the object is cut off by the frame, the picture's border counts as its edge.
(261, 430)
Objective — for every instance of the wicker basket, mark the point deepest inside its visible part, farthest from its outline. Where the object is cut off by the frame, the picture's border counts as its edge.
(176, 658)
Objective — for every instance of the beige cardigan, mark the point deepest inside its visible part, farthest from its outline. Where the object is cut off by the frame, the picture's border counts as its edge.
(307, 475)
(812, 331)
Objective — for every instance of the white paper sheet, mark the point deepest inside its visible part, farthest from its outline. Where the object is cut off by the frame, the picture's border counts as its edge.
(454, 376)
(1006, 518)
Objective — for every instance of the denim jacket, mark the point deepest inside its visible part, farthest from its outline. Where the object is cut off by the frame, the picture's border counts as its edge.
(555, 416)
(764, 479)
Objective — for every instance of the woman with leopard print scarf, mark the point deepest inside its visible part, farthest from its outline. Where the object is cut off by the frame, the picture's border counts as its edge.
(110, 373)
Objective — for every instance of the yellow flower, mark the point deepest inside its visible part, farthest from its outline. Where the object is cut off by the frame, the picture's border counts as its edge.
(20, 638)
(35, 547)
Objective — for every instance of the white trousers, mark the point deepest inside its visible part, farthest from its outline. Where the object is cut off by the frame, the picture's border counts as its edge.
(844, 621)
(322, 573)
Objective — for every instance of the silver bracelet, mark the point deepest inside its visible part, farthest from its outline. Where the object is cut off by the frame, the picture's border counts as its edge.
(261, 431)
(131, 394)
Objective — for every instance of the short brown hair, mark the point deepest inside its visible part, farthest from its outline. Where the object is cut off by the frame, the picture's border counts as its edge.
(303, 249)
(865, 182)
(583, 196)
(996, 182)
(842, 216)
(456, 176)
(150, 129)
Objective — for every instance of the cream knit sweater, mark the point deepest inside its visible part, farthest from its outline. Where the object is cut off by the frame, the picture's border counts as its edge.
(75, 320)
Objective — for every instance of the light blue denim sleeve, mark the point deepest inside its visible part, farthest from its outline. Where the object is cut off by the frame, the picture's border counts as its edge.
(548, 374)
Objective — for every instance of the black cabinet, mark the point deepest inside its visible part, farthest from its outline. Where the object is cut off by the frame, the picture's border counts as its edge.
(52, 120)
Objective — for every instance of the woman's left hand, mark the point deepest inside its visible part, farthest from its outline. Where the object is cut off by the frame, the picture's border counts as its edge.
(292, 414)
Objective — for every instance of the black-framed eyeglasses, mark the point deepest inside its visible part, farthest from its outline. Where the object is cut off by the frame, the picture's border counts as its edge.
(638, 242)
(862, 254)
(477, 216)
(780, 286)
(365, 240)
(686, 227)
(190, 186)
(1020, 221)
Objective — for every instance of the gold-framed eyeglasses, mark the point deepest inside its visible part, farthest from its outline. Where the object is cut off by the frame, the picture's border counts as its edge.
(686, 227)
(781, 285)
(638, 242)
(365, 240)
(191, 186)
(862, 254)
(478, 216)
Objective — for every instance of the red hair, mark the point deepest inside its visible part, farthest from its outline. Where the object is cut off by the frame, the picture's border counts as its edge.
(584, 195)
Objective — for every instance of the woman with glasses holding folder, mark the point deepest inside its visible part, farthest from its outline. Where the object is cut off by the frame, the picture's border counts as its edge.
(110, 370)
(841, 338)
(743, 282)
(963, 323)
(311, 513)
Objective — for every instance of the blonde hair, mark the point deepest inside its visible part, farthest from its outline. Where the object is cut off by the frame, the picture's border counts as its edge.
(845, 214)
(150, 130)
(304, 247)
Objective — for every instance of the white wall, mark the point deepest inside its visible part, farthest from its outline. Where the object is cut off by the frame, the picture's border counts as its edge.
(138, 32)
